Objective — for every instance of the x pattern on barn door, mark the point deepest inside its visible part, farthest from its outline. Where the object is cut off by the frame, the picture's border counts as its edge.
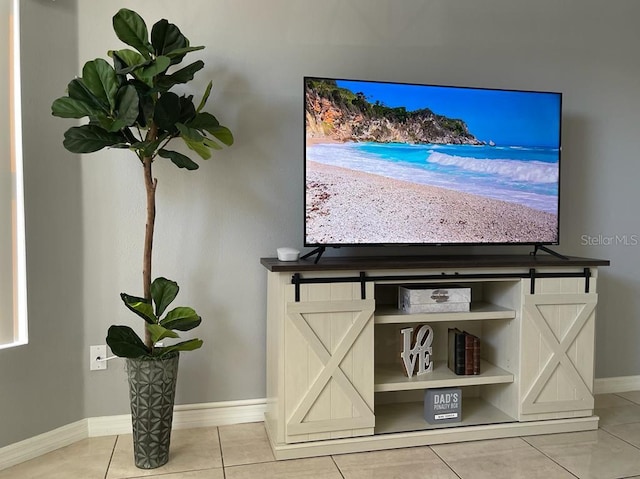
(338, 336)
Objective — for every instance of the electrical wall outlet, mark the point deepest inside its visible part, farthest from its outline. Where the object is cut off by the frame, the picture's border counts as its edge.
(97, 357)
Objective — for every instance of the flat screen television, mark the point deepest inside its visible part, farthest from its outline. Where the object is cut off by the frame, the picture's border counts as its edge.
(411, 164)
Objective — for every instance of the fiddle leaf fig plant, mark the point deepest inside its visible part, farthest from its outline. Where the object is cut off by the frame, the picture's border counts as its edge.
(130, 105)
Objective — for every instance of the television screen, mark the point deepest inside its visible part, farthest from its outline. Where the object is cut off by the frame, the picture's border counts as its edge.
(408, 164)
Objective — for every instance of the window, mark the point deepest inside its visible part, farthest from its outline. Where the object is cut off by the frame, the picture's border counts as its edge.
(13, 301)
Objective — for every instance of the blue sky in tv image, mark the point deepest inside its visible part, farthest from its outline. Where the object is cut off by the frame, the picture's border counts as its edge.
(505, 117)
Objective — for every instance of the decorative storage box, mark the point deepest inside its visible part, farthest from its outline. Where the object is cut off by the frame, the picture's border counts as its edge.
(443, 405)
(433, 299)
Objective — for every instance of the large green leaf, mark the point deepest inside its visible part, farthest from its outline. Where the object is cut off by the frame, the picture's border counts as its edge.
(203, 121)
(190, 133)
(166, 37)
(223, 134)
(208, 142)
(198, 146)
(194, 141)
(187, 109)
(207, 122)
(163, 292)
(148, 148)
(189, 345)
(155, 67)
(158, 333)
(205, 97)
(66, 107)
(118, 65)
(178, 159)
(100, 79)
(131, 29)
(132, 59)
(127, 105)
(177, 55)
(90, 138)
(167, 111)
(79, 91)
(140, 306)
(146, 101)
(124, 342)
(107, 122)
(183, 75)
(181, 318)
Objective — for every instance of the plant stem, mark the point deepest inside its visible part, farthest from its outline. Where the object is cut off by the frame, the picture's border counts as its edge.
(150, 184)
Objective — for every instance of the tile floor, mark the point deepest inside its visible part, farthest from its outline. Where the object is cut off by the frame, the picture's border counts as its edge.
(242, 452)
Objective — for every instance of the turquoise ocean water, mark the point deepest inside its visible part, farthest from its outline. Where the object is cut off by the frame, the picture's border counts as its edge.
(528, 176)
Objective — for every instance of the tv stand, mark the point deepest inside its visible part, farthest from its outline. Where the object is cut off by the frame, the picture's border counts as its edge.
(335, 380)
(318, 251)
(547, 250)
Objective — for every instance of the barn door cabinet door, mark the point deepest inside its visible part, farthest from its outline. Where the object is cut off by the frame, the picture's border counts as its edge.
(557, 349)
(328, 363)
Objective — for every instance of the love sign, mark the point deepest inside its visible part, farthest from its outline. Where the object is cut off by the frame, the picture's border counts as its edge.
(420, 352)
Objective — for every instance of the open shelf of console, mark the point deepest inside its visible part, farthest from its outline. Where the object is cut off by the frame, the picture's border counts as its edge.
(409, 416)
(479, 311)
(392, 378)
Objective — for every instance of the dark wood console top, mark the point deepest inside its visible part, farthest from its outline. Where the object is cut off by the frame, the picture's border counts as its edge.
(361, 263)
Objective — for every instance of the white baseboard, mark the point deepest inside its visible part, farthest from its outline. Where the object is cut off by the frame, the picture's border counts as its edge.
(616, 385)
(43, 443)
(185, 416)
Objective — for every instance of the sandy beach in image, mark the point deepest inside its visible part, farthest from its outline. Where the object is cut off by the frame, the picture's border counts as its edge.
(345, 206)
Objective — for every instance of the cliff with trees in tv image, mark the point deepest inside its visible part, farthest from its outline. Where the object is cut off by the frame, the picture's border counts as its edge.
(389, 163)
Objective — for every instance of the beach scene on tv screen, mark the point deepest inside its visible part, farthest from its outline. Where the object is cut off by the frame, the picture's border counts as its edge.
(389, 163)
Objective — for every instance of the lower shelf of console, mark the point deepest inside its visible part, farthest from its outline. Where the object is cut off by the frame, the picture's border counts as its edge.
(408, 417)
(389, 434)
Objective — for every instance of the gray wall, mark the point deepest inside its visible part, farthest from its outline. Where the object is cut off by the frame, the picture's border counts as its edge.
(215, 224)
(41, 383)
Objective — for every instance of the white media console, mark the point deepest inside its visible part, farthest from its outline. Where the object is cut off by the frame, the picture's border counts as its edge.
(335, 381)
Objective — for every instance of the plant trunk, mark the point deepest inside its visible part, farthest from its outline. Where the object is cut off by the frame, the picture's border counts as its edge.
(150, 186)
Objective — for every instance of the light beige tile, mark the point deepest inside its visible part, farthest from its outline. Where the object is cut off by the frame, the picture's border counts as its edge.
(87, 459)
(590, 454)
(627, 432)
(610, 400)
(611, 416)
(499, 458)
(245, 444)
(314, 468)
(191, 450)
(633, 396)
(409, 463)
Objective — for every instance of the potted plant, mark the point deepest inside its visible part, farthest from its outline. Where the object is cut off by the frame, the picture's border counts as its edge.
(130, 105)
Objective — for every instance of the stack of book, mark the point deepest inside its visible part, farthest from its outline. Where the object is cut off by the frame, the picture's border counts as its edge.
(464, 352)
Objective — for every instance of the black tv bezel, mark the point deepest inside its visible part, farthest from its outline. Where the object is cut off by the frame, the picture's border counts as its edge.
(434, 244)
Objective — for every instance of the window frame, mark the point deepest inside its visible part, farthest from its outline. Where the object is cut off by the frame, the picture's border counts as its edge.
(14, 121)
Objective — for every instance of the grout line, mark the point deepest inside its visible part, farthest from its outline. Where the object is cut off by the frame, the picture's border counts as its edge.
(626, 399)
(224, 469)
(445, 462)
(337, 467)
(113, 451)
(549, 457)
(618, 437)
